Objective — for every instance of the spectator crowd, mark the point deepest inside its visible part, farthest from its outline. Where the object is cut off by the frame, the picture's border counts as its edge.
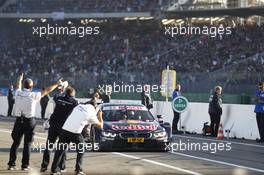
(48, 6)
(138, 49)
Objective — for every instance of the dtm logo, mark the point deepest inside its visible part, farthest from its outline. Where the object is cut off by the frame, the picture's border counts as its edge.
(135, 127)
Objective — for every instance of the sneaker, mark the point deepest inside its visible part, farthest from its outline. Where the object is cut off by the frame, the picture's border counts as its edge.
(11, 168)
(63, 170)
(26, 168)
(79, 173)
(43, 169)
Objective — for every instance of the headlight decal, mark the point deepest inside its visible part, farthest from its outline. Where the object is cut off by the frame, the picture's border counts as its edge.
(108, 134)
(160, 134)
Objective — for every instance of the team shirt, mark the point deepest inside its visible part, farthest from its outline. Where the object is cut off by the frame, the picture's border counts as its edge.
(25, 103)
(81, 115)
(64, 106)
(259, 106)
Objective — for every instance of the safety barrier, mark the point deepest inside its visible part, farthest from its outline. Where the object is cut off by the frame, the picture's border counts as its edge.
(239, 118)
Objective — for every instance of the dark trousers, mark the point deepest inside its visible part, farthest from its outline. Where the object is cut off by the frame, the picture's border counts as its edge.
(175, 121)
(22, 126)
(10, 108)
(260, 122)
(43, 110)
(53, 135)
(214, 126)
(65, 139)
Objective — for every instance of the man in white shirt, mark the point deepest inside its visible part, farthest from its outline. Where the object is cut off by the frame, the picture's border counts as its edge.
(24, 110)
(81, 115)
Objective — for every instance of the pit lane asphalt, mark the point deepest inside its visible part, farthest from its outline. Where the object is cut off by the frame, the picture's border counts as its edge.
(245, 157)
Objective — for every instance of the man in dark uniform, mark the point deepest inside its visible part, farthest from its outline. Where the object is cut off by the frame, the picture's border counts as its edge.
(259, 110)
(64, 106)
(176, 116)
(11, 100)
(146, 98)
(215, 111)
(25, 123)
(44, 103)
(82, 115)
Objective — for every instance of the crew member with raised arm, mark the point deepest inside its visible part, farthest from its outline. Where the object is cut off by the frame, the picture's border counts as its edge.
(25, 123)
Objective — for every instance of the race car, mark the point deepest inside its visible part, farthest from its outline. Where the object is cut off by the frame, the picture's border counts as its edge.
(130, 127)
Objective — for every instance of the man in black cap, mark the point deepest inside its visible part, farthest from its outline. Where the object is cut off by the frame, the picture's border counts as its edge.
(25, 123)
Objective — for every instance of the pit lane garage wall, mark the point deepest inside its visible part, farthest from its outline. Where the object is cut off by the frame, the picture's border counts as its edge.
(239, 118)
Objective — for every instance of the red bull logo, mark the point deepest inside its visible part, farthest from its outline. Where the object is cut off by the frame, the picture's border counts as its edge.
(135, 127)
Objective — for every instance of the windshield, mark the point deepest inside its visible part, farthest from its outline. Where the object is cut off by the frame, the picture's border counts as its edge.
(126, 114)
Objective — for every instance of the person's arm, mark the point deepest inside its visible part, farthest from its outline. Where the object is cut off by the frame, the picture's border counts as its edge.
(48, 90)
(100, 119)
(258, 98)
(19, 82)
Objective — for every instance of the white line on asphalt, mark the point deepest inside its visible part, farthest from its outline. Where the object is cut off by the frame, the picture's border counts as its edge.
(138, 158)
(225, 141)
(219, 162)
(173, 167)
(158, 163)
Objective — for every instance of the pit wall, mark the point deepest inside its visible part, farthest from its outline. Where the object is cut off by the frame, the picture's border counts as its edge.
(241, 119)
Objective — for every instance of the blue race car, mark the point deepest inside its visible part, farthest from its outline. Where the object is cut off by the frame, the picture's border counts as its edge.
(130, 127)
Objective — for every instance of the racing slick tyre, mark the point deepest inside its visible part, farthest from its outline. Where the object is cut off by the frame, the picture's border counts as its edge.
(95, 141)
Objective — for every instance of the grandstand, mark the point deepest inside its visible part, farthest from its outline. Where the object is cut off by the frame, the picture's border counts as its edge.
(130, 48)
(71, 6)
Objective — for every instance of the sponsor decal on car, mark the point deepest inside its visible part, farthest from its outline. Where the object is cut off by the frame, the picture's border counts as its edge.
(135, 127)
(135, 108)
